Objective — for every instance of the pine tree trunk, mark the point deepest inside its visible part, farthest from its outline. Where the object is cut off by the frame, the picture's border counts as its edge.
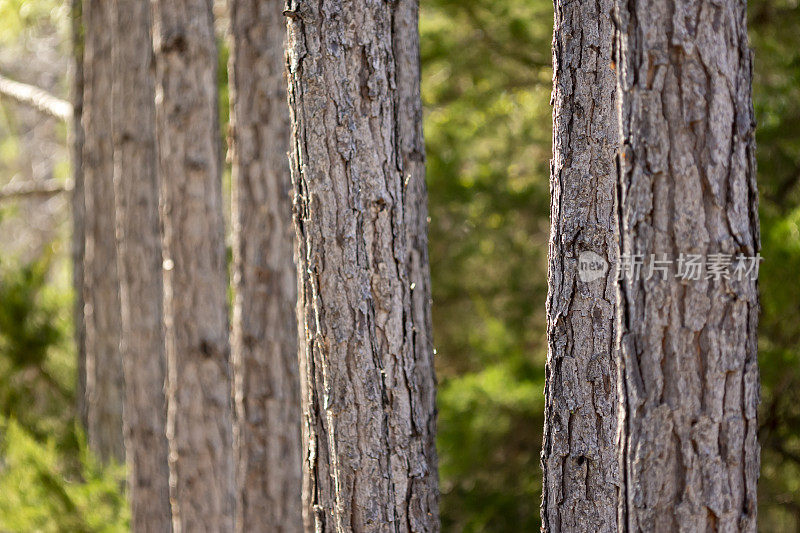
(579, 456)
(266, 383)
(366, 357)
(199, 421)
(139, 259)
(78, 207)
(104, 380)
(687, 181)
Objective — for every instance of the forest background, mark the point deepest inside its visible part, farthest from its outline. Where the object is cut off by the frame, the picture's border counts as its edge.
(486, 72)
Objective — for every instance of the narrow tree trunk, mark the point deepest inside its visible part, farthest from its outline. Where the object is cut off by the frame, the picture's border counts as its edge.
(199, 426)
(139, 249)
(366, 358)
(78, 207)
(266, 383)
(579, 456)
(687, 182)
(104, 381)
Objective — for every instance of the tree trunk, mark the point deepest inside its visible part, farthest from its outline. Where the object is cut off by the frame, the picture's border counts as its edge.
(579, 456)
(366, 357)
(139, 250)
(78, 207)
(104, 381)
(687, 183)
(266, 383)
(199, 426)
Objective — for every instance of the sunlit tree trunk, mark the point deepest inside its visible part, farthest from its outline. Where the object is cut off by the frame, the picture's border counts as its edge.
(199, 421)
(366, 357)
(104, 381)
(579, 455)
(687, 181)
(139, 259)
(264, 345)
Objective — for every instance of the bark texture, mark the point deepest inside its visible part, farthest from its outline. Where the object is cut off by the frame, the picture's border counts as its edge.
(78, 206)
(266, 384)
(687, 183)
(366, 357)
(579, 455)
(139, 260)
(199, 420)
(104, 380)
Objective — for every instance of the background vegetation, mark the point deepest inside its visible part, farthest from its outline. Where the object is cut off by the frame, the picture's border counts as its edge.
(486, 90)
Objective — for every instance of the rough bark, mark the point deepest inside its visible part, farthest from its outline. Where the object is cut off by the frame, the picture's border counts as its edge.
(264, 346)
(104, 381)
(687, 184)
(366, 357)
(139, 260)
(199, 420)
(579, 455)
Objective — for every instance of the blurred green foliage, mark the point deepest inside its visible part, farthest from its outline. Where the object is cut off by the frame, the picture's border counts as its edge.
(20, 17)
(48, 479)
(775, 37)
(39, 494)
(486, 89)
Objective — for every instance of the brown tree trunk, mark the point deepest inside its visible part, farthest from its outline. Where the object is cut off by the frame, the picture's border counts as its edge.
(366, 357)
(139, 259)
(78, 207)
(687, 183)
(266, 384)
(579, 456)
(104, 381)
(199, 425)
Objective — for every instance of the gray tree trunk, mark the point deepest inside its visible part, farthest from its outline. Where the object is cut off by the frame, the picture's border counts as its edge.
(139, 260)
(579, 455)
(264, 347)
(104, 380)
(199, 421)
(78, 207)
(366, 357)
(689, 375)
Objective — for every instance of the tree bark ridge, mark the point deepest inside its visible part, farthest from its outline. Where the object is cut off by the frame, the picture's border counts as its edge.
(104, 380)
(579, 456)
(687, 185)
(139, 258)
(199, 416)
(266, 382)
(366, 358)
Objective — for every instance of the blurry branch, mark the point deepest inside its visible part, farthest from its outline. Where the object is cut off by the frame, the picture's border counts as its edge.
(35, 97)
(35, 188)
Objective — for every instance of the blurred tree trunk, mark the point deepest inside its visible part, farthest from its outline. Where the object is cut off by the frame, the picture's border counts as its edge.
(579, 455)
(199, 422)
(267, 396)
(687, 186)
(366, 357)
(104, 381)
(78, 206)
(139, 249)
